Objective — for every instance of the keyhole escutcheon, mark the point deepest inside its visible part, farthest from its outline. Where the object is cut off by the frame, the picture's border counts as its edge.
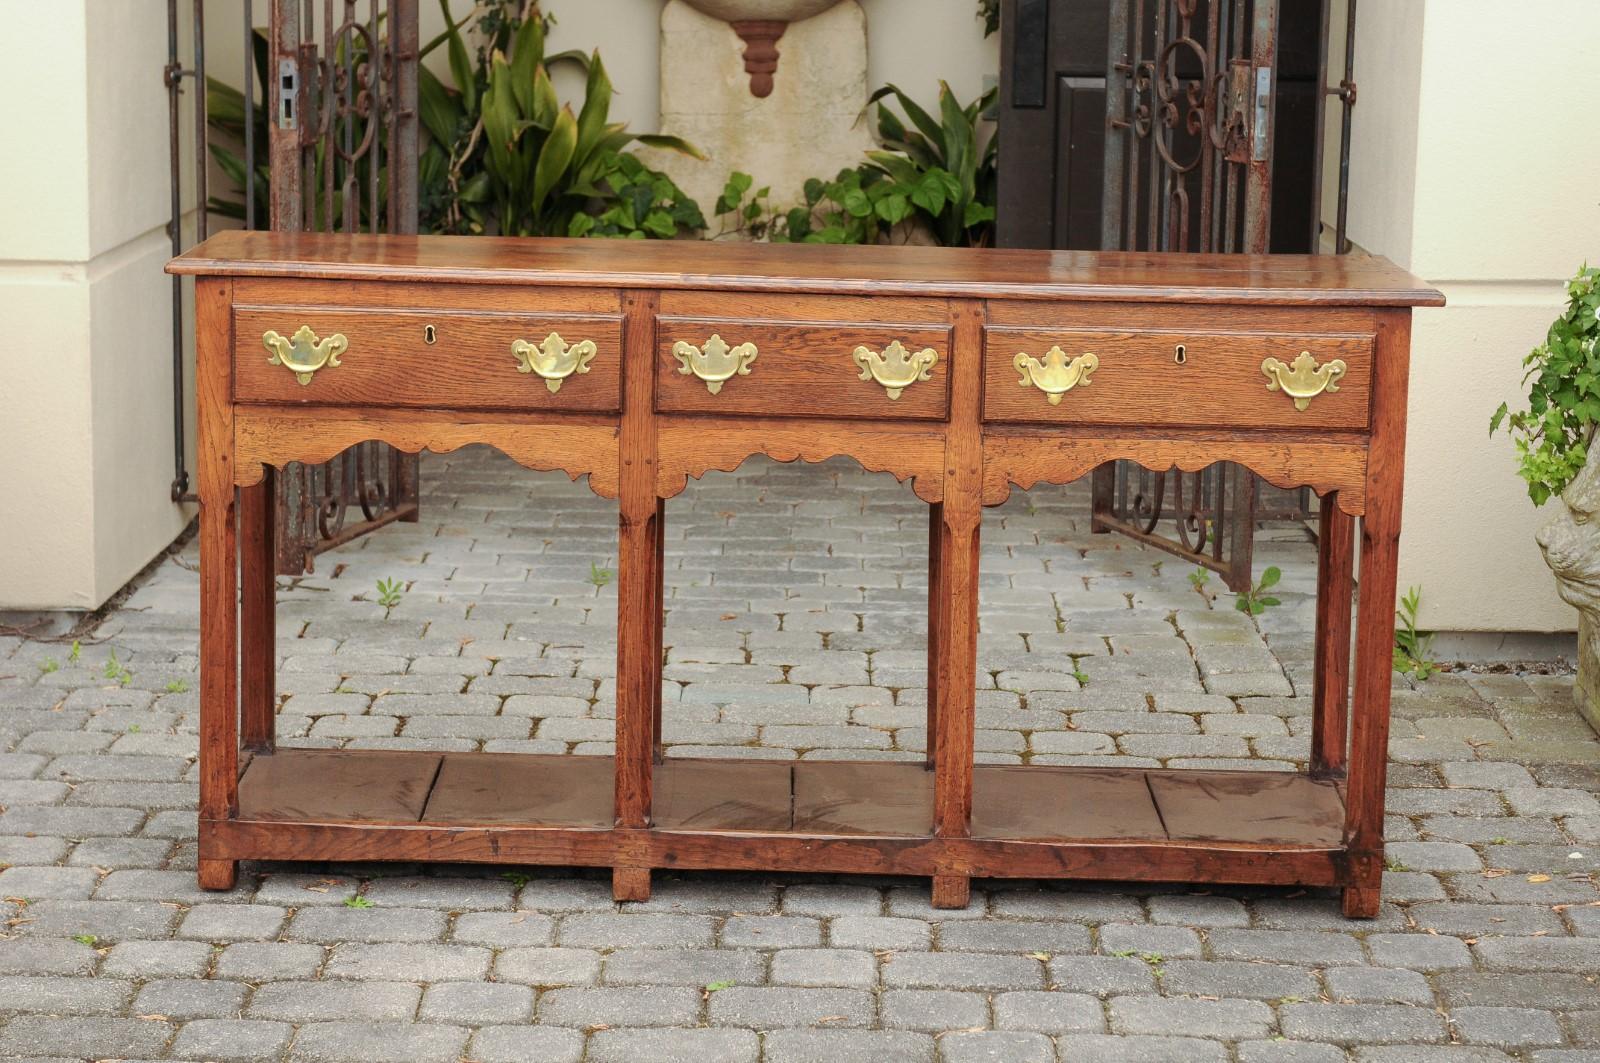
(429, 334)
(1180, 354)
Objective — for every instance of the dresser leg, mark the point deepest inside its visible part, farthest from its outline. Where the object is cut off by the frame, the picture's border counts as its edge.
(935, 625)
(258, 638)
(630, 883)
(1102, 496)
(1361, 902)
(1335, 589)
(952, 891)
(218, 874)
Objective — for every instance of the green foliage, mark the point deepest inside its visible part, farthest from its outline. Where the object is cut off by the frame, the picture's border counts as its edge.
(390, 592)
(116, 670)
(989, 11)
(943, 170)
(177, 686)
(856, 207)
(1553, 434)
(50, 664)
(1410, 645)
(506, 156)
(599, 576)
(77, 652)
(1198, 580)
(647, 204)
(357, 902)
(1254, 599)
(85, 939)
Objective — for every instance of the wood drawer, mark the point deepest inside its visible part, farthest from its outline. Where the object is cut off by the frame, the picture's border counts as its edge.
(805, 357)
(1140, 378)
(452, 358)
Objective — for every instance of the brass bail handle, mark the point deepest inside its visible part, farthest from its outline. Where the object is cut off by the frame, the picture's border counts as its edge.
(895, 367)
(714, 362)
(1055, 374)
(553, 359)
(304, 353)
(1303, 380)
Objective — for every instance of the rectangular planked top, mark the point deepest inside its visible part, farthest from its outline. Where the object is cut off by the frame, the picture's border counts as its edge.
(943, 272)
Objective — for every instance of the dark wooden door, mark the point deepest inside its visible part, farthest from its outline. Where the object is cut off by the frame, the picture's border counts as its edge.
(1055, 59)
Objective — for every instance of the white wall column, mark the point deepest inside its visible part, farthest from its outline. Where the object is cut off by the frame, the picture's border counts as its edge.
(1474, 159)
(85, 392)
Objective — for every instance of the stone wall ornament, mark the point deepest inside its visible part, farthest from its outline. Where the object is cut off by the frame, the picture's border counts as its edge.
(760, 23)
(1570, 541)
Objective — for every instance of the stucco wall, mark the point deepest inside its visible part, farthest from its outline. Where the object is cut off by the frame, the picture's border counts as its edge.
(1475, 154)
(85, 399)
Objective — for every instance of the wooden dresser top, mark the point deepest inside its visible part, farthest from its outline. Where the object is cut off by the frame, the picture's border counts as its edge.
(1274, 280)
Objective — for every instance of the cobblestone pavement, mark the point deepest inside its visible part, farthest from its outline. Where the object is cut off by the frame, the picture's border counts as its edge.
(795, 630)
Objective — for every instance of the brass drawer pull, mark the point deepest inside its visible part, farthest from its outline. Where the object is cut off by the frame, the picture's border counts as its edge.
(303, 353)
(1055, 375)
(1303, 380)
(895, 368)
(554, 359)
(715, 362)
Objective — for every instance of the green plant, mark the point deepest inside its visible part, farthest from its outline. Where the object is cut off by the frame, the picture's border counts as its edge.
(177, 686)
(1079, 674)
(77, 651)
(647, 204)
(1198, 580)
(854, 207)
(114, 669)
(390, 592)
(1553, 435)
(989, 11)
(506, 156)
(598, 576)
(943, 170)
(85, 939)
(49, 664)
(1254, 599)
(1410, 645)
(357, 902)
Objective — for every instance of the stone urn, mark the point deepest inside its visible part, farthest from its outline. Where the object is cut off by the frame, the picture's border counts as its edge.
(1570, 541)
(759, 23)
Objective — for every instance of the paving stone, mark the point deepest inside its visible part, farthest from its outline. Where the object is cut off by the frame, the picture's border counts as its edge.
(1259, 981)
(1281, 1051)
(846, 1046)
(262, 961)
(1000, 1046)
(1361, 1023)
(59, 995)
(1285, 946)
(783, 1007)
(990, 935)
(231, 1040)
(610, 1006)
(674, 1046)
(1377, 985)
(934, 970)
(1422, 951)
(1108, 1048)
(423, 963)
(366, 924)
(932, 1010)
(85, 1037)
(69, 883)
(1165, 941)
(1230, 1019)
(623, 931)
(300, 1002)
(378, 1042)
(476, 1003)
(825, 968)
(526, 1044)
(232, 922)
(1051, 1013)
(158, 959)
(690, 967)
(770, 932)
(190, 998)
(548, 967)
(1506, 1027)
(877, 932)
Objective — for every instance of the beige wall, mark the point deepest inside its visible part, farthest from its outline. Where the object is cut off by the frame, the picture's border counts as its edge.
(1476, 151)
(85, 406)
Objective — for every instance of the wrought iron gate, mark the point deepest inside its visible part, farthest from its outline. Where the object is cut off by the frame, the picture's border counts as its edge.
(331, 105)
(1190, 121)
(343, 149)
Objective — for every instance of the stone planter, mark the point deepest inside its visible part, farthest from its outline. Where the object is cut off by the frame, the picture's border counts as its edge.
(760, 23)
(1571, 544)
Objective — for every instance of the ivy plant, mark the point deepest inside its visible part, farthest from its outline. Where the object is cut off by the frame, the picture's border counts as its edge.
(1553, 434)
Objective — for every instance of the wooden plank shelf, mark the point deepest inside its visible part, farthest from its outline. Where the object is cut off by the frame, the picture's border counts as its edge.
(680, 358)
(513, 807)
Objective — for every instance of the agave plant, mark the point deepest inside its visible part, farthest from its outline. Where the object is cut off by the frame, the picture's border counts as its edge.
(944, 169)
(507, 156)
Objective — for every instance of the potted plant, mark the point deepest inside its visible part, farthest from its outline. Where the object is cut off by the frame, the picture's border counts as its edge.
(1554, 437)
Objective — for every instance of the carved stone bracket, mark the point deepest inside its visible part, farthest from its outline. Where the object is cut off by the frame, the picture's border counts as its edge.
(760, 38)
